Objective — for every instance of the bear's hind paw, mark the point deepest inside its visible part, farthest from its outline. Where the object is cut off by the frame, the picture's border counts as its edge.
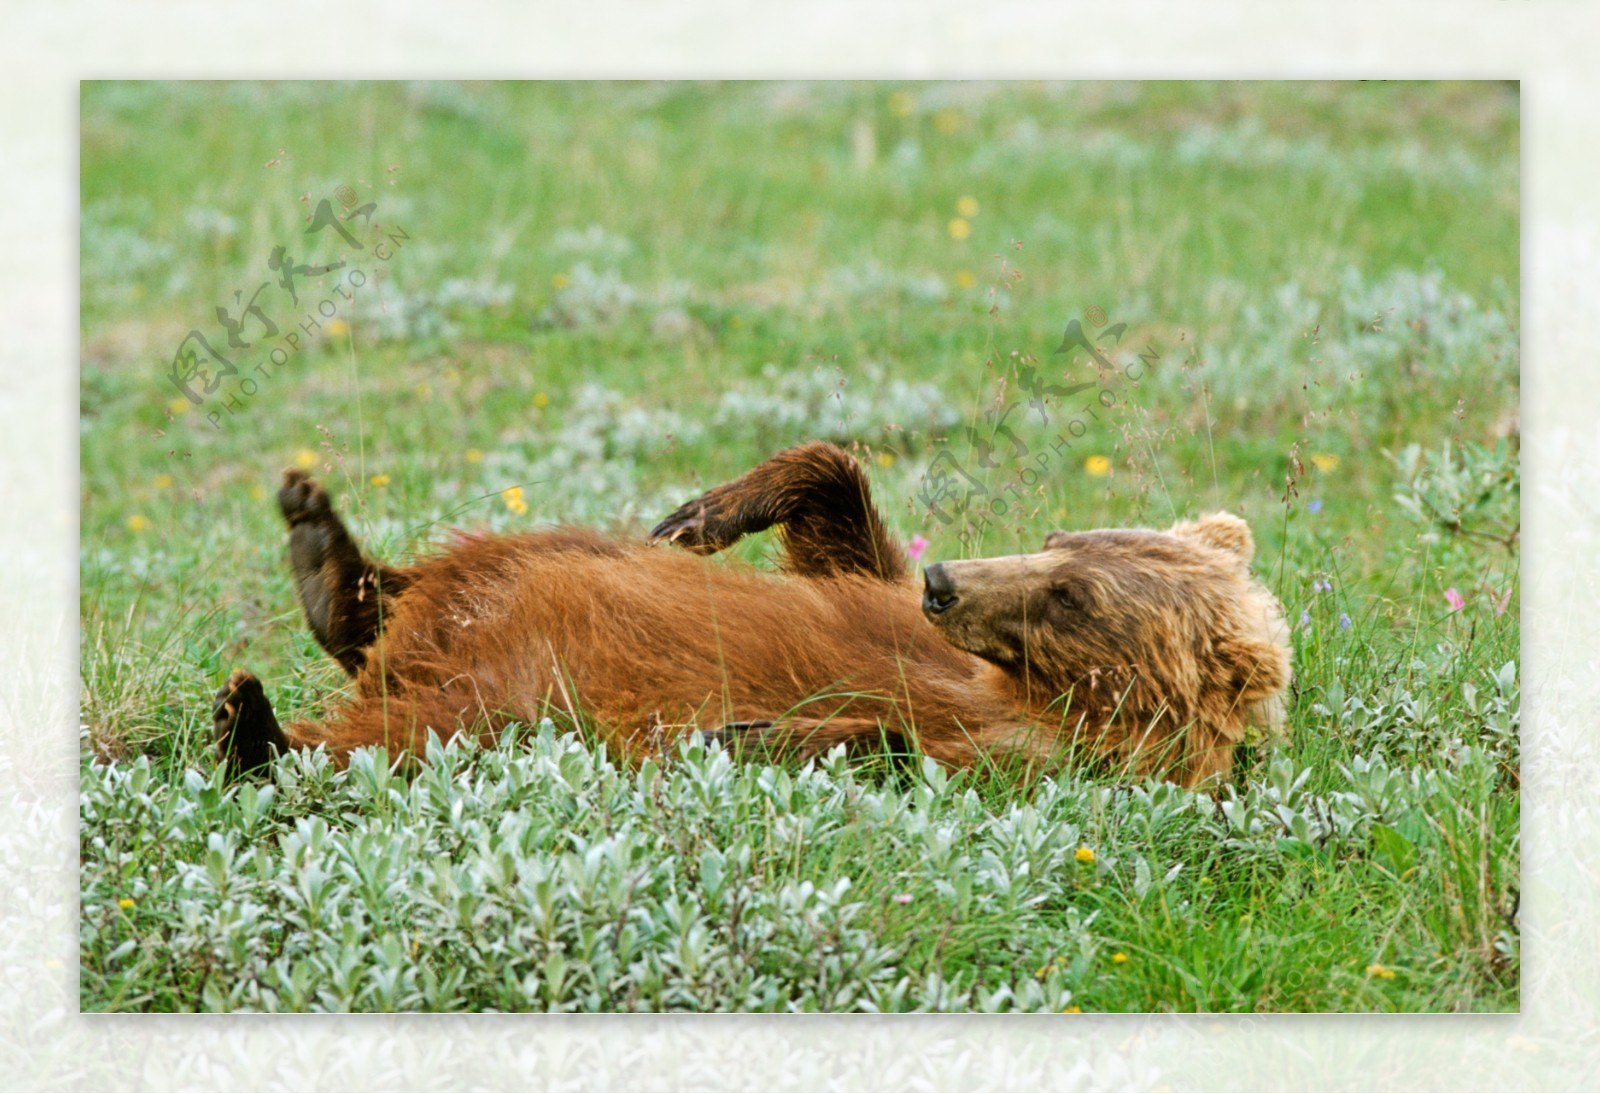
(246, 731)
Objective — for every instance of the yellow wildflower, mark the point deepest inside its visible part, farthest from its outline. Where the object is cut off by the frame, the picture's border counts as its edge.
(137, 523)
(960, 228)
(885, 459)
(305, 459)
(901, 104)
(967, 207)
(560, 281)
(965, 280)
(1074, 1009)
(474, 456)
(380, 480)
(125, 903)
(1324, 461)
(258, 493)
(1380, 972)
(337, 327)
(179, 406)
(163, 481)
(947, 121)
(1119, 958)
(513, 499)
(1083, 854)
(1098, 466)
(541, 400)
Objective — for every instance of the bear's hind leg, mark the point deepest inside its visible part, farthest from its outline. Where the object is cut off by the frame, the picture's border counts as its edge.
(247, 732)
(345, 596)
(799, 739)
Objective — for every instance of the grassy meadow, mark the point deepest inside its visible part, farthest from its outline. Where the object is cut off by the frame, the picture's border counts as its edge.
(565, 303)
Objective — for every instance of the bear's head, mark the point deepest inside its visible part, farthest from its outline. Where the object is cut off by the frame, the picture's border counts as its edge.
(1129, 624)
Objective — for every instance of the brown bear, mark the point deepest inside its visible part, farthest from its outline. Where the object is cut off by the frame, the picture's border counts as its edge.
(1146, 652)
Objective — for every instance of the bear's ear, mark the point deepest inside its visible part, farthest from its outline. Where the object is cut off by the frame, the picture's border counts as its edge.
(1055, 539)
(1223, 531)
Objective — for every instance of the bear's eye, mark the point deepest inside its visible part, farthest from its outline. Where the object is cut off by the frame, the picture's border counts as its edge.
(1067, 599)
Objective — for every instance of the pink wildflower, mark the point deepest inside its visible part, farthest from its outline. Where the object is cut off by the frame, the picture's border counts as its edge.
(1454, 599)
(918, 545)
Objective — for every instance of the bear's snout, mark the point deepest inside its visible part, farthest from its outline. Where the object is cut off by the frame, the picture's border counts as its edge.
(938, 591)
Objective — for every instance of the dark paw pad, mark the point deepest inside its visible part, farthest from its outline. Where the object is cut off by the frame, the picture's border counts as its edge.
(301, 497)
(246, 731)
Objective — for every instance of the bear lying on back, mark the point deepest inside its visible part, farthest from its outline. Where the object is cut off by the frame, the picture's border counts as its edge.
(1140, 651)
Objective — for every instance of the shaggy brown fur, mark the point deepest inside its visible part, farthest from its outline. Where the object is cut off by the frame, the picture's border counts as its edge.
(1151, 651)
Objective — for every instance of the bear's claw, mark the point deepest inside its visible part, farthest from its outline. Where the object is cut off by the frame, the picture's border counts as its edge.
(689, 526)
(740, 739)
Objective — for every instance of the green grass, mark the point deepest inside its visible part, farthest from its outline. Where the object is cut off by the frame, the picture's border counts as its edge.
(614, 295)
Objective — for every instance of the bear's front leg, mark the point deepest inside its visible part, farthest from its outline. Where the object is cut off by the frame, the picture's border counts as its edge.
(799, 739)
(818, 497)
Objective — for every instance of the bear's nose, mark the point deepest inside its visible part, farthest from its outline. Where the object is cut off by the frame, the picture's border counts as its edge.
(938, 591)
